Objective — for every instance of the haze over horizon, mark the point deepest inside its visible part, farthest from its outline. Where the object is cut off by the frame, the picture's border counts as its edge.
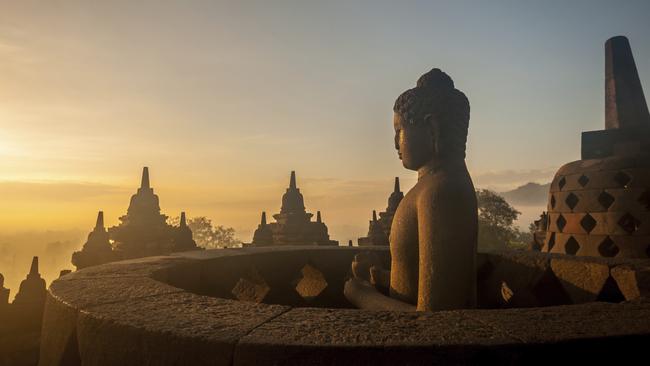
(223, 99)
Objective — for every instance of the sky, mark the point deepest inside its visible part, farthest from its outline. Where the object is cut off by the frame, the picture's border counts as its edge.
(223, 99)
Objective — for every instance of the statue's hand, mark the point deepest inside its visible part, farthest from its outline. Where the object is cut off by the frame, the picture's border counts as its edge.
(362, 264)
(380, 277)
(367, 267)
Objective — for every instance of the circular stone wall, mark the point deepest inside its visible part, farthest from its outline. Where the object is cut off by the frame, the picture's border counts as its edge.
(181, 310)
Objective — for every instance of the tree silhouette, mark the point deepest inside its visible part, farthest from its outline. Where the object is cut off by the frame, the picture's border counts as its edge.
(207, 235)
(496, 219)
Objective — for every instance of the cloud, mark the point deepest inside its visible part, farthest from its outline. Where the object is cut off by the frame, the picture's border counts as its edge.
(58, 191)
(504, 180)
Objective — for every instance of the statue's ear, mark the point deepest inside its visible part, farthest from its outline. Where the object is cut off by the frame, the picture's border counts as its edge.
(434, 127)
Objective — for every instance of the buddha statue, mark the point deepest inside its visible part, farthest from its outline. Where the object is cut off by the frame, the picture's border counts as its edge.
(433, 235)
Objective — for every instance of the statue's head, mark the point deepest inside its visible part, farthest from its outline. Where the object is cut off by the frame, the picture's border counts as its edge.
(431, 121)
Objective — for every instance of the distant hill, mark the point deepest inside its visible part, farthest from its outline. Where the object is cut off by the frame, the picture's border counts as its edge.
(530, 194)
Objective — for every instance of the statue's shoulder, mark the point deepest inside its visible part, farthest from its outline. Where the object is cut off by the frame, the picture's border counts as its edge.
(443, 190)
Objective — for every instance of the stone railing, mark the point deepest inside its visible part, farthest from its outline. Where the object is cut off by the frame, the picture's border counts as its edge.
(259, 306)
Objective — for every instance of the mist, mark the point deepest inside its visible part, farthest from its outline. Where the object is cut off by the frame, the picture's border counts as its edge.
(54, 249)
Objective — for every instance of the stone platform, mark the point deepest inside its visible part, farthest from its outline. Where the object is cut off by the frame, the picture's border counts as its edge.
(184, 310)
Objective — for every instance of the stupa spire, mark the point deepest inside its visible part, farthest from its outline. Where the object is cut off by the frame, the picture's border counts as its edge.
(292, 181)
(183, 220)
(145, 178)
(318, 217)
(99, 225)
(263, 221)
(292, 201)
(625, 104)
(34, 269)
(374, 215)
(396, 189)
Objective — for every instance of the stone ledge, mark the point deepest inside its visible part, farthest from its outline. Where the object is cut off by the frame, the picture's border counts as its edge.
(142, 312)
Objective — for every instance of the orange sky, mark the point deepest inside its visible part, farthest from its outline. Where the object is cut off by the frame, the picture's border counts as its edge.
(223, 99)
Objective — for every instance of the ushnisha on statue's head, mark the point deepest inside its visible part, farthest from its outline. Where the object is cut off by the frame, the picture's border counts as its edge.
(431, 122)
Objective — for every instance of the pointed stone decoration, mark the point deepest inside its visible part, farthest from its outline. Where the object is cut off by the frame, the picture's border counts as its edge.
(183, 221)
(183, 239)
(379, 227)
(99, 225)
(292, 200)
(318, 217)
(263, 236)
(394, 200)
(33, 270)
(97, 249)
(4, 293)
(292, 180)
(625, 103)
(32, 289)
(144, 184)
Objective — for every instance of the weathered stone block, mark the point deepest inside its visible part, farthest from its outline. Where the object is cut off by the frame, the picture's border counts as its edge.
(632, 280)
(582, 279)
(517, 279)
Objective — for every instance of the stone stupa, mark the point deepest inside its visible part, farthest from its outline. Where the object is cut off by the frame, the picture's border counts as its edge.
(4, 293)
(32, 289)
(379, 229)
(97, 249)
(183, 240)
(143, 231)
(600, 205)
(293, 224)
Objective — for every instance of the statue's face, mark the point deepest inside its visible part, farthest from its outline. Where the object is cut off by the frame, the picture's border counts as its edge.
(414, 142)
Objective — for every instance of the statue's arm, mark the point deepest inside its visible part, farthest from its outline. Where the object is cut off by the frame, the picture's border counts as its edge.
(363, 295)
(443, 262)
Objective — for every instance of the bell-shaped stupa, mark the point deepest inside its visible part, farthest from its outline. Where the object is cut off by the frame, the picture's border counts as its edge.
(293, 224)
(600, 205)
(379, 229)
(32, 289)
(143, 231)
(183, 238)
(97, 249)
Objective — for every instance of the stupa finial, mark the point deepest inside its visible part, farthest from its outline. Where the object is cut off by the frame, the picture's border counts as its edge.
(396, 185)
(292, 181)
(625, 104)
(318, 217)
(374, 215)
(99, 225)
(263, 221)
(34, 269)
(145, 178)
(183, 220)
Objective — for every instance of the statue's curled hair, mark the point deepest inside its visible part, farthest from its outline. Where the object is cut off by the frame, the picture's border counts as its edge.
(435, 95)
